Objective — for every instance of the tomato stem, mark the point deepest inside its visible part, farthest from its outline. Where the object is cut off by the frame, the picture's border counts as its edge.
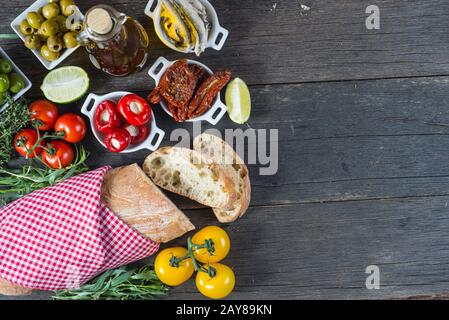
(208, 245)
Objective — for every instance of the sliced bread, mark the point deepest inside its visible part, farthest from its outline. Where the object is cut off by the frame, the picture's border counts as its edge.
(187, 173)
(137, 201)
(219, 152)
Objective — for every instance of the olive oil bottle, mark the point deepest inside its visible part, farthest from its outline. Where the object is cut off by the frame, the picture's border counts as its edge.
(117, 44)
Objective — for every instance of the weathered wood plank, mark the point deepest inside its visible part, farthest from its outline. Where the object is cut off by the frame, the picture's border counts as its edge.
(287, 45)
(339, 141)
(314, 251)
(363, 173)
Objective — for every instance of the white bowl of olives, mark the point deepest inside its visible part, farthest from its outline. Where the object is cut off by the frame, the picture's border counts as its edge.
(43, 29)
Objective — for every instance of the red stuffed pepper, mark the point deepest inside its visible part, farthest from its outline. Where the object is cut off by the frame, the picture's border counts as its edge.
(117, 139)
(134, 109)
(138, 133)
(107, 116)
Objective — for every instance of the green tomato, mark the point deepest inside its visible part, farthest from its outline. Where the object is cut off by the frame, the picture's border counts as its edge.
(5, 66)
(4, 83)
(16, 83)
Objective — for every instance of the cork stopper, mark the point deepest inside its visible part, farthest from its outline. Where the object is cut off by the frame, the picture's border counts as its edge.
(99, 21)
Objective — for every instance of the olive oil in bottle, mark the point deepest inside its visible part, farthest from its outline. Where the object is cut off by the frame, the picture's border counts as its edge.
(117, 44)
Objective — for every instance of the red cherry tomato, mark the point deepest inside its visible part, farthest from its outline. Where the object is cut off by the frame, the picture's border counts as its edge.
(138, 133)
(117, 140)
(73, 127)
(134, 109)
(107, 116)
(59, 154)
(43, 114)
(24, 142)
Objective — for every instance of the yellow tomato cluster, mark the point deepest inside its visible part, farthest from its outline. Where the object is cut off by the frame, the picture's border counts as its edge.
(210, 245)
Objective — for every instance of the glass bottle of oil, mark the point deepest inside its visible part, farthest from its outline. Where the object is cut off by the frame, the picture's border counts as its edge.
(116, 43)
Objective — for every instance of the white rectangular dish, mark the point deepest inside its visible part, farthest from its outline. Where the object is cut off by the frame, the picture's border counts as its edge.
(15, 25)
(216, 111)
(4, 55)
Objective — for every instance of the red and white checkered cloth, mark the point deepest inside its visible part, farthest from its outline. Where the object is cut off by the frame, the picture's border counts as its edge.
(62, 236)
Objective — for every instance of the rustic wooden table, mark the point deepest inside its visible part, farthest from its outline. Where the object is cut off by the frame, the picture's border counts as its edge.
(363, 143)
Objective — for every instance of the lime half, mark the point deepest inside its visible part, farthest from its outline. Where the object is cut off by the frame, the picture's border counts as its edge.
(238, 101)
(65, 84)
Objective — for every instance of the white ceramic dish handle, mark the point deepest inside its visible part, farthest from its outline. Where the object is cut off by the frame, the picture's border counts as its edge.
(148, 10)
(89, 112)
(148, 144)
(213, 115)
(221, 31)
(162, 64)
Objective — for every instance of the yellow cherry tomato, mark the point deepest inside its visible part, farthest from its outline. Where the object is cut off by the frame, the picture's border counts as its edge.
(169, 274)
(221, 241)
(219, 286)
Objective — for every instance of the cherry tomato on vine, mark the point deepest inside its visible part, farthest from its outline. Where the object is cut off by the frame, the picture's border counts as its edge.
(169, 274)
(58, 154)
(73, 127)
(43, 114)
(220, 285)
(221, 244)
(24, 142)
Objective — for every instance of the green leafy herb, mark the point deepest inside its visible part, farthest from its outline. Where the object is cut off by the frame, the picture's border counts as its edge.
(118, 284)
(12, 120)
(15, 183)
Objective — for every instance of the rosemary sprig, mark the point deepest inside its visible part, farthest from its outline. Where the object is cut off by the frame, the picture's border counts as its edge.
(15, 116)
(15, 183)
(118, 284)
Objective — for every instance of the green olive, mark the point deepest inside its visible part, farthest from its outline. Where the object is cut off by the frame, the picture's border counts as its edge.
(50, 10)
(16, 83)
(49, 28)
(34, 19)
(33, 42)
(53, 1)
(76, 26)
(48, 55)
(61, 21)
(40, 35)
(54, 44)
(67, 8)
(70, 39)
(25, 28)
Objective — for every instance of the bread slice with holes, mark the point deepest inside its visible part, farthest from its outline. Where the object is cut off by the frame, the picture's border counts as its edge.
(220, 152)
(187, 173)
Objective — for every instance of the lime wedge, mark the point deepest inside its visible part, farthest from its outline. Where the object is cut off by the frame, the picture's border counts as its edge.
(65, 84)
(238, 101)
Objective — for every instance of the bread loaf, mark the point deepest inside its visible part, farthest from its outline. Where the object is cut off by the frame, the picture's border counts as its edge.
(10, 289)
(131, 195)
(134, 198)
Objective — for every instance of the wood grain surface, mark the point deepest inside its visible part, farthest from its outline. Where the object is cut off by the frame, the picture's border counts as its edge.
(363, 124)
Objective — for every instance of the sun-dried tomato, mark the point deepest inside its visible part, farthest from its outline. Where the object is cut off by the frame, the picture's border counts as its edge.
(206, 93)
(178, 85)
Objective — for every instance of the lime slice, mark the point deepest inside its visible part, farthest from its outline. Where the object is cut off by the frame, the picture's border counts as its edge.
(238, 101)
(65, 84)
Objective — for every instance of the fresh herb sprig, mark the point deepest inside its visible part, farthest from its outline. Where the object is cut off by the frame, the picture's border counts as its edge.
(15, 117)
(15, 183)
(118, 284)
